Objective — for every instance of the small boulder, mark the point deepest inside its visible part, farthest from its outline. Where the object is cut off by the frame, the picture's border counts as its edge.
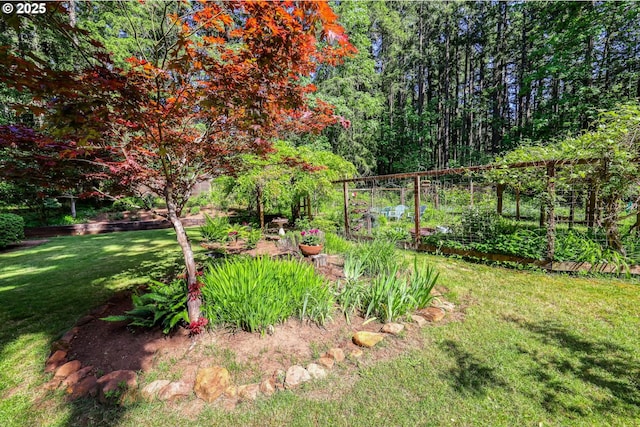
(327, 362)
(356, 353)
(296, 375)
(432, 314)
(86, 319)
(53, 384)
(336, 354)
(419, 320)
(229, 404)
(57, 359)
(316, 371)
(75, 377)
(211, 383)
(231, 391)
(367, 339)
(70, 335)
(150, 391)
(189, 375)
(88, 386)
(267, 387)
(60, 345)
(445, 305)
(278, 378)
(392, 328)
(114, 386)
(175, 390)
(68, 368)
(249, 391)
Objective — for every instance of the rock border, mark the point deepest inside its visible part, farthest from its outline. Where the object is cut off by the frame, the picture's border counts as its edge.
(213, 383)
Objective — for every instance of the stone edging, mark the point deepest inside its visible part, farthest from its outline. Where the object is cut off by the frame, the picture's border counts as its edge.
(212, 383)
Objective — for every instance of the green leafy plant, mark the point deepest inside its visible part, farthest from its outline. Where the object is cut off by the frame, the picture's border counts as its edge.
(394, 234)
(127, 204)
(252, 237)
(11, 229)
(215, 229)
(478, 224)
(253, 293)
(163, 305)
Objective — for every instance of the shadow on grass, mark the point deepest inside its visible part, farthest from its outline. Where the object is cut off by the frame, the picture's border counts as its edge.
(470, 375)
(44, 290)
(611, 372)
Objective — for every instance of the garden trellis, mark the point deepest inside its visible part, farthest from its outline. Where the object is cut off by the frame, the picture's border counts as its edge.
(549, 209)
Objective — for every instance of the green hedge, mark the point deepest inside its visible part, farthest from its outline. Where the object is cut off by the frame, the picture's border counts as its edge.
(11, 229)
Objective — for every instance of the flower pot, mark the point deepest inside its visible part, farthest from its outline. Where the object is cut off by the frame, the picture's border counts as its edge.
(310, 250)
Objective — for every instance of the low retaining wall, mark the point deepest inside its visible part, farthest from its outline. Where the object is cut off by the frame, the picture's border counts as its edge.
(104, 227)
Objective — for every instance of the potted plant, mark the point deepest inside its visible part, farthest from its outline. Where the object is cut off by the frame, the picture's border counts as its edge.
(311, 242)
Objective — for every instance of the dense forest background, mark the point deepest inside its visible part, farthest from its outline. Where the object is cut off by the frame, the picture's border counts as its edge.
(442, 84)
(434, 84)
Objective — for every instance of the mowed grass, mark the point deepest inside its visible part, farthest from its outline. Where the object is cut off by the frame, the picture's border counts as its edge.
(44, 290)
(533, 349)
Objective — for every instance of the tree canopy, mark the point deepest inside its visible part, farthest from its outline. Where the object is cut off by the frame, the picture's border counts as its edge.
(210, 82)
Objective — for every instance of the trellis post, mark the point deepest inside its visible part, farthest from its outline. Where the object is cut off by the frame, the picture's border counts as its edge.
(499, 193)
(345, 191)
(416, 209)
(551, 219)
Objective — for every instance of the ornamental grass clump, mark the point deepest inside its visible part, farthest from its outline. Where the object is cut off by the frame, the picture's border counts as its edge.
(254, 293)
(394, 295)
(378, 257)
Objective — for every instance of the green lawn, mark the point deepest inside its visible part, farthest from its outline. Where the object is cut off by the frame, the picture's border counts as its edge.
(533, 349)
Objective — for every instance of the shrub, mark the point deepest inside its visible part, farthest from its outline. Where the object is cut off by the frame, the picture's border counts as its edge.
(215, 229)
(201, 200)
(195, 210)
(254, 293)
(394, 234)
(324, 224)
(127, 204)
(164, 305)
(11, 229)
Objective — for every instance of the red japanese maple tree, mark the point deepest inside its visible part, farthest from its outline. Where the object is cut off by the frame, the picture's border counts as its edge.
(229, 77)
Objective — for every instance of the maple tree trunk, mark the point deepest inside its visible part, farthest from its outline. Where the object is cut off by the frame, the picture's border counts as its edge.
(193, 304)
